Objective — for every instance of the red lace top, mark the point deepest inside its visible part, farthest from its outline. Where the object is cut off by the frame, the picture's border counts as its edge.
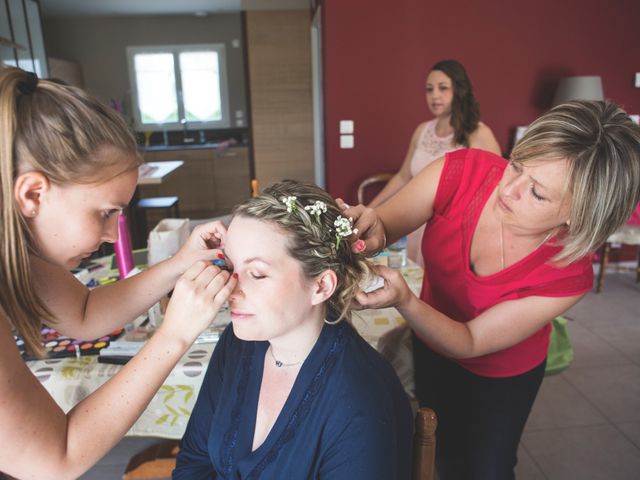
(450, 286)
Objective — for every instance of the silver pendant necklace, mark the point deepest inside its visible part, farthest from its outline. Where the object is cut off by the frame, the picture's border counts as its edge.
(280, 364)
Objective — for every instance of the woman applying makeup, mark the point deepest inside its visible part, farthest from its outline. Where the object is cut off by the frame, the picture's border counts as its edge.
(68, 166)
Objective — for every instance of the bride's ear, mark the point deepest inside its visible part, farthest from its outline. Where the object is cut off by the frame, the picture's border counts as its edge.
(323, 287)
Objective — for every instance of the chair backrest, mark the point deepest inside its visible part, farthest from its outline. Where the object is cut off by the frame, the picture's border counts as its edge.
(424, 445)
(373, 179)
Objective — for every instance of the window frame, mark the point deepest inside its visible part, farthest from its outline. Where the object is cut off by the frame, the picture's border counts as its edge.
(176, 50)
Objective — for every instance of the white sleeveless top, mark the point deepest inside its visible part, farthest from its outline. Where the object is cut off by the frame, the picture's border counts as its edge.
(430, 147)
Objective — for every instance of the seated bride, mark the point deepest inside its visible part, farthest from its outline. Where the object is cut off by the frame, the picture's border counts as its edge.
(292, 391)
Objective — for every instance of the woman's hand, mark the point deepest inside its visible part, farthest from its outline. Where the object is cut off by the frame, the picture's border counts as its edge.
(370, 229)
(394, 293)
(196, 300)
(204, 243)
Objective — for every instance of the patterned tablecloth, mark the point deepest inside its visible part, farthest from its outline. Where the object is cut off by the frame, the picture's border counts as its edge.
(69, 380)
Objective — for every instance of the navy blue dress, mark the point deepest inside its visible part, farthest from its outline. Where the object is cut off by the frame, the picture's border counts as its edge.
(347, 416)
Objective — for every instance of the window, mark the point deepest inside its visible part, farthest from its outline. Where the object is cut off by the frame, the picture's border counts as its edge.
(177, 87)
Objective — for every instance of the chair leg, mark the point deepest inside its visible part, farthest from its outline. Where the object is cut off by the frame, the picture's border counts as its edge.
(604, 260)
(141, 228)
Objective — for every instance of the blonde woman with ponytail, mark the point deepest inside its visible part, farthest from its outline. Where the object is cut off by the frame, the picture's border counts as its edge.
(68, 166)
(292, 391)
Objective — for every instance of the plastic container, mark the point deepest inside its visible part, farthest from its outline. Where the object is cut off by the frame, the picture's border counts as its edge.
(398, 253)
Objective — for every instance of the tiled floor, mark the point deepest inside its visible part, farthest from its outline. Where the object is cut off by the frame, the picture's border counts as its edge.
(585, 424)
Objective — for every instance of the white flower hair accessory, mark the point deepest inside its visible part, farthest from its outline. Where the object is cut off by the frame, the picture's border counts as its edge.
(290, 202)
(317, 209)
(343, 228)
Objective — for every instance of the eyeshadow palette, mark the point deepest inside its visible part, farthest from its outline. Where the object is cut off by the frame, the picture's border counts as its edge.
(60, 346)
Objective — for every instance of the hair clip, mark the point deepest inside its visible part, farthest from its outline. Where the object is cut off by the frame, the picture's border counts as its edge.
(29, 84)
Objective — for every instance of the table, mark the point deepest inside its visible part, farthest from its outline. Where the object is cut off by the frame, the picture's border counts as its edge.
(70, 380)
(153, 173)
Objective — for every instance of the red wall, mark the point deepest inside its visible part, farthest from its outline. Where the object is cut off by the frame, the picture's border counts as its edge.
(377, 55)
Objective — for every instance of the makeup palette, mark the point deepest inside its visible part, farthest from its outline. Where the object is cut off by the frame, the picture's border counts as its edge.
(60, 346)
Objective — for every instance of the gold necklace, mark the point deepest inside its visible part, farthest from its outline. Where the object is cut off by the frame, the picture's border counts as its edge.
(280, 364)
(544, 240)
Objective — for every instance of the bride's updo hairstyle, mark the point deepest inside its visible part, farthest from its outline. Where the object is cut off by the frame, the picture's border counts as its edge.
(319, 236)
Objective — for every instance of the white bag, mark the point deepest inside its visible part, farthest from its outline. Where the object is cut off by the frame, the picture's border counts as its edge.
(166, 238)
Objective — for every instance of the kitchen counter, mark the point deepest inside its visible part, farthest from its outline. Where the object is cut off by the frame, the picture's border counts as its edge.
(189, 146)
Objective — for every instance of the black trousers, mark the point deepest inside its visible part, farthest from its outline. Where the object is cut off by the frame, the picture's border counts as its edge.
(480, 419)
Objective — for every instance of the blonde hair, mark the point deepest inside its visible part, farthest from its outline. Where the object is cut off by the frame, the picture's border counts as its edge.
(602, 147)
(311, 240)
(56, 130)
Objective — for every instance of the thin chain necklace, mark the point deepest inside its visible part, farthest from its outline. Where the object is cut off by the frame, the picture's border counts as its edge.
(280, 364)
(544, 240)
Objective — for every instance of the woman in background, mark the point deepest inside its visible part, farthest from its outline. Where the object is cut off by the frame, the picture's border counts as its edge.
(456, 125)
(291, 390)
(68, 166)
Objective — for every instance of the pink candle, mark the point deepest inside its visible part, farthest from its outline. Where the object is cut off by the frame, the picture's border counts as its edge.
(122, 247)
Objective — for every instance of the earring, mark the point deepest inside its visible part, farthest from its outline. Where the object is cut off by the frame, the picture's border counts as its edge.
(33, 212)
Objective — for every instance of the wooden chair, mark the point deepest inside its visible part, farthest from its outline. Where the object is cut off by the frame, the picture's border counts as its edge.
(153, 463)
(424, 445)
(373, 179)
(627, 235)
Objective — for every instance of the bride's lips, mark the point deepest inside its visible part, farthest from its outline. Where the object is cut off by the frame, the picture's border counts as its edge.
(235, 315)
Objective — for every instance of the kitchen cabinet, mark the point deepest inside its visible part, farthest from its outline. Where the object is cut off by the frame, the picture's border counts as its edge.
(209, 183)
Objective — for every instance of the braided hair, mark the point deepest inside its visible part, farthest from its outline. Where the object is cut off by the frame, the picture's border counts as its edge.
(313, 239)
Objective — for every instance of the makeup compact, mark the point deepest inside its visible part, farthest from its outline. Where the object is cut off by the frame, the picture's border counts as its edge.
(61, 346)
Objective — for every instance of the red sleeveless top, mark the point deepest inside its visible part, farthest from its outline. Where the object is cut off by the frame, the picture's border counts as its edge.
(450, 286)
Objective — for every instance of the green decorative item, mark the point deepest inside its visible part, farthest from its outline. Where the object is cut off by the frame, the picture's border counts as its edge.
(560, 353)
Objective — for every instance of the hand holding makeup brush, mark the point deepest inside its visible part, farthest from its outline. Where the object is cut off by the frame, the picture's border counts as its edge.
(204, 243)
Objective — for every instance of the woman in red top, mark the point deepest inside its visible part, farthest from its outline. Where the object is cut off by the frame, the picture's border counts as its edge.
(507, 248)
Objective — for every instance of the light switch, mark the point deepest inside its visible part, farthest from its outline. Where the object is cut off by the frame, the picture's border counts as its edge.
(638, 80)
(346, 141)
(346, 126)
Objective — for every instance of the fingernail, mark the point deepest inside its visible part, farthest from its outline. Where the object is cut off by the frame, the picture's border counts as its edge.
(235, 275)
(360, 245)
(221, 256)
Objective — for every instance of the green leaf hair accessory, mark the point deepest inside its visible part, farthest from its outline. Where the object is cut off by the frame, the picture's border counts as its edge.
(290, 202)
(343, 228)
(317, 209)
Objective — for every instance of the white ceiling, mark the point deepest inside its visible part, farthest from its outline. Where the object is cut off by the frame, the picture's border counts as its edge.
(56, 8)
